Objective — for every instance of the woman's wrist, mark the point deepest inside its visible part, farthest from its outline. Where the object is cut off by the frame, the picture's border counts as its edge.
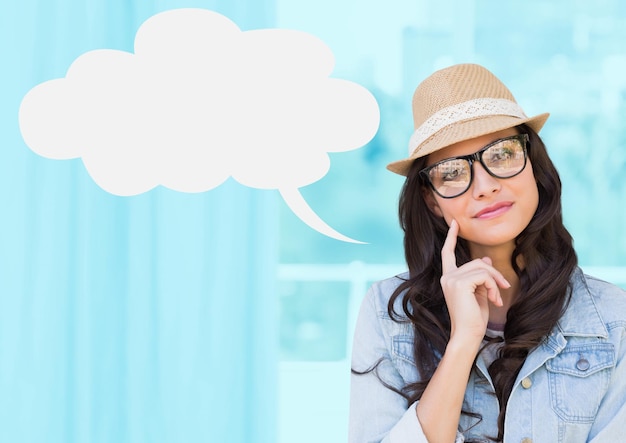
(464, 345)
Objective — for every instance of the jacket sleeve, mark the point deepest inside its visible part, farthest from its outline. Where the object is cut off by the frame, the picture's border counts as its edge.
(377, 413)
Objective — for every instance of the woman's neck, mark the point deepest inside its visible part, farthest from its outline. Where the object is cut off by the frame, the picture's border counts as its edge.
(501, 260)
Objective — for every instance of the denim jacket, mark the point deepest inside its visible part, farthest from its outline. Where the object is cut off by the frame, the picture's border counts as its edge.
(571, 388)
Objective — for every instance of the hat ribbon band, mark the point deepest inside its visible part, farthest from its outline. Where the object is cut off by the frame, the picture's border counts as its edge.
(470, 109)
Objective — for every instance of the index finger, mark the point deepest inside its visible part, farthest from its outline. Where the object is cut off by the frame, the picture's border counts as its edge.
(448, 256)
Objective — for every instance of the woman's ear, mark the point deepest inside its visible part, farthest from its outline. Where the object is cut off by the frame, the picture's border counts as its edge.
(431, 202)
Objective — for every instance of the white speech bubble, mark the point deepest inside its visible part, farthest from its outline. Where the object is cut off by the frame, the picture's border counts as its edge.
(199, 101)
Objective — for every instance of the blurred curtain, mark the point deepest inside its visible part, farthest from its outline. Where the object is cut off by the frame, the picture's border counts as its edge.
(124, 319)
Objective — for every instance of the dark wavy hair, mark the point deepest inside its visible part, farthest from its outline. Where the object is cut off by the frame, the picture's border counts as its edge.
(546, 249)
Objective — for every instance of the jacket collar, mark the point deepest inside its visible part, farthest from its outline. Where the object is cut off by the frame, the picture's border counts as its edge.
(581, 318)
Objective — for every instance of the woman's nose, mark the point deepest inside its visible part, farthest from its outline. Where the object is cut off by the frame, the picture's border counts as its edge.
(483, 183)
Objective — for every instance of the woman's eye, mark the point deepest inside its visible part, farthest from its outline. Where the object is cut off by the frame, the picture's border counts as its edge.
(451, 174)
(501, 155)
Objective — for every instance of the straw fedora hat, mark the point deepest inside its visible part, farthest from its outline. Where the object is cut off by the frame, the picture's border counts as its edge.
(459, 103)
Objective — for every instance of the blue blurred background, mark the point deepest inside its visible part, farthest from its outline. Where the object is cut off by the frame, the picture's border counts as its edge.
(220, 316)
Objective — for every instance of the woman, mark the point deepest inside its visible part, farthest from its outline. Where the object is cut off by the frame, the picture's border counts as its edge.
(494, 334)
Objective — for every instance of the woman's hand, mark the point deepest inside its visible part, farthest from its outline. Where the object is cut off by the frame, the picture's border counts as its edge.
(468, 290)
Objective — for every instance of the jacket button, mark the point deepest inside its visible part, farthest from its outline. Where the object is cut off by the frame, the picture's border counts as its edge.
(527, 440)
(582, 364)
(526, 383)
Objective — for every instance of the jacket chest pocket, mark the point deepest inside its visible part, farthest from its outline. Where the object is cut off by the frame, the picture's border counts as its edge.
(403, 359)
(579, 377)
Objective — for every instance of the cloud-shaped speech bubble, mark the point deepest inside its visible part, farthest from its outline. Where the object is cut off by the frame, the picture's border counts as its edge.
(199, 101)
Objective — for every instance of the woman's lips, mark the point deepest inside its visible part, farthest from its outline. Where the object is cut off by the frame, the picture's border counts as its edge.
(494, 210)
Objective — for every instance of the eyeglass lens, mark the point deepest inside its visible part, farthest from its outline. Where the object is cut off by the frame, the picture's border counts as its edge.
(503, 159)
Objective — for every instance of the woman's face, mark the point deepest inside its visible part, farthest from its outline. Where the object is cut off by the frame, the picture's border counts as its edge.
(493, 211)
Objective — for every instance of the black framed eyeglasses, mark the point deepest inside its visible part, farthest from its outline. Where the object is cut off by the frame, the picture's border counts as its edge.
(503, 158)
